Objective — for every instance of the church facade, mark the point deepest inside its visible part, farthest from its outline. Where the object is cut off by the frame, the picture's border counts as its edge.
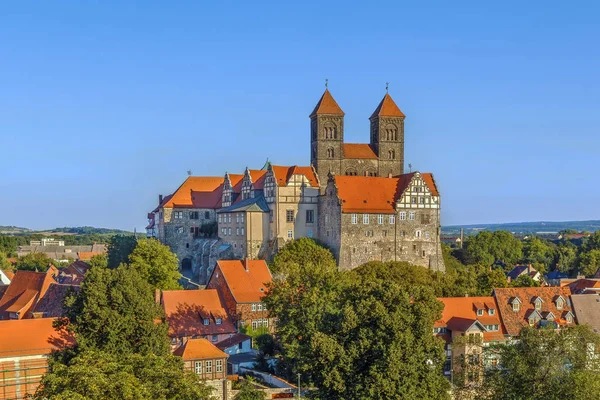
(354, 197)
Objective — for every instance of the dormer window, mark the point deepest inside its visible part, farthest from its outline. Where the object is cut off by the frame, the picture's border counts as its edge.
(480, 312)
(516, 304)
(550, 317)
(538, 304)
(569, 318)
(559, 303)
(491, 311)
(218, 321)
(206, 321)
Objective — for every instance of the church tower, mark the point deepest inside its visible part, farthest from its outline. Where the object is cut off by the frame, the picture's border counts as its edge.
(327, 137)
(387, 137)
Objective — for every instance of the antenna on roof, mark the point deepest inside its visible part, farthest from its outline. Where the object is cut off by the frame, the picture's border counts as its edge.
(410, 167)
(326, 82)
(189, 172)
(387, 86)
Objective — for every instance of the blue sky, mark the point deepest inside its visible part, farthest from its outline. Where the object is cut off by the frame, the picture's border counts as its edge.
(106, 104)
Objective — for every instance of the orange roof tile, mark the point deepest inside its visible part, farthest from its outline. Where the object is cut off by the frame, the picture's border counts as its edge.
(87, 255)
(246, 278)
(428, 178)
(30, 337)
(359, 150)
(461, 312)
(198, 349)
(327, 105)
(9, 274)
(387, 108)
(25, 289)
(200, 184)
(186, 309)
(284, 174)
(514, 321)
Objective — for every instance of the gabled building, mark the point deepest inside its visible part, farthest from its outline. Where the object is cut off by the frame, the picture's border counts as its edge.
(587, 310)
(193, 314)
(534, 306)
(387, 219)
(520, 270)
(242, 284)
(468, 317)
(24, 348)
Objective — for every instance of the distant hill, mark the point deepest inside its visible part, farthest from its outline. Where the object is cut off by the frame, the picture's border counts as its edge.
(80, 230)
(524, 227)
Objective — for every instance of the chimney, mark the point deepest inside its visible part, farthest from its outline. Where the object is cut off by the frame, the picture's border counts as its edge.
(529, 268)
(245, 264)
(160, 198)
(157, 296)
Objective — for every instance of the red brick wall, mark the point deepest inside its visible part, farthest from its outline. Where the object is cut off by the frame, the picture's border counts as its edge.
(218, 282)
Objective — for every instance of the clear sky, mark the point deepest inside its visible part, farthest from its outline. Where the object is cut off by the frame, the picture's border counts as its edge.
(106, 104)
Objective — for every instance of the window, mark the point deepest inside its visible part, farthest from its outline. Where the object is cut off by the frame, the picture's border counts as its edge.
(365, 219)
(380, 219)
(220, 218)
(206, 321)
(491, 311)
(229, 231)
(198, 367)
(440, 330)
(418, 234)
(237, 218)
(480, 313)
(569, 318)
(206, 215)
(538, 304)
(354, 219)
(271, 216)
(214, 339)
(178, 214)
(427, 235)
(253, 307)
(266, 323)
(264, 305)
(559, 303)
(413, 200)
(330, 153)
(309, 233)
(242, 231)
(403, 216)
(289, 216)
(411, 216)
(259, 307)
(229, 218)
(209, 365)
(218, 321)
(237, 231)
(194, 215)
(310, 216)
(516, 306)
(326, 219)
(219, 365)
(392, 219)
(290, 234)
(421, 200)
(242, 218)
(254, 325)
(180, 229)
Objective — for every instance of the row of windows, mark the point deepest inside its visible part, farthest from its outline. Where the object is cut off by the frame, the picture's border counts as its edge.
(260, 323)
(289, 216)
(191, 215)
(229, 231)
(208, 366)
(226, 218)
(352, 172)
(420, 200)
(206, 321)
(259, 307)
(366, 219)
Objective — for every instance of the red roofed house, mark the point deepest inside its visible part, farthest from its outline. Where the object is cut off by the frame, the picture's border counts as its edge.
(242, 285)
(193, 314)
(24, 348)
(387, 219)
(472, 317)
(534, 306)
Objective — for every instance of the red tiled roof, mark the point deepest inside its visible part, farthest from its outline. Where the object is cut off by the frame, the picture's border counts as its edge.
(327, 105)
(200, 184)
(359, 150)
(369, 194)
(198, 349)
(51, 305)
(246, 285)
(30, 337)
(87, 255)
(232, 341)
(284, 174)
(514, 321)
(387, 108)
(461, 312)
(25, 289)
(186, 309)
(9, 274)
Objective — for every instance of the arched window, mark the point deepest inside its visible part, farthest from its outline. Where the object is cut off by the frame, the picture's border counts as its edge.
(351, 172)
(391, 132)
(330, 153)
(330, 131)
(392, 154)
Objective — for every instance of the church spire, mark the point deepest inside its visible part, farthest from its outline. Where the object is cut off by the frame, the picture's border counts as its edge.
(327, 105)
(387, 108)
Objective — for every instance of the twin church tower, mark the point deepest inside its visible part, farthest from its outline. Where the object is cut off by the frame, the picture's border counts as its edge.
(383, 156)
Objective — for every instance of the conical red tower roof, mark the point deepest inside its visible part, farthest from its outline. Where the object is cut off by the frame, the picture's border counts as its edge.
(387, 108)
(327, 105)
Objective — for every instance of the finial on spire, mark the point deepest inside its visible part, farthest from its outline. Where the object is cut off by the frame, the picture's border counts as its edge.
(326, 83)
(410, 167)
(387, 86)
(189, 172)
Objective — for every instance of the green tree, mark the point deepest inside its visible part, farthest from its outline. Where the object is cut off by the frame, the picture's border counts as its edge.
(95, 374)
(34, 262)
(524, 281)
(589, 262)
(115, 311)
(302, 251)
(566, 257)
(488, 280)
(119, 249)
(545, 364)
(592, 243)
(99, 260)
(487, 247)
(538, 252)
(156, 263)
(249, 392)
(5, 265)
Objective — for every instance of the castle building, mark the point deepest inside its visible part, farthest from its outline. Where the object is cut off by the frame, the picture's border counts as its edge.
(354, 197)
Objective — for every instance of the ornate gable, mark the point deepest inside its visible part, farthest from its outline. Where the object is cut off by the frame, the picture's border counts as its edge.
(420, 192)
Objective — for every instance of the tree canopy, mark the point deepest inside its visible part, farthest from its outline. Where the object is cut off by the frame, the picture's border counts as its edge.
(156, 263)
(302, 251)
(34, 262)
(249, 392)
(119, 249)
(488, 247)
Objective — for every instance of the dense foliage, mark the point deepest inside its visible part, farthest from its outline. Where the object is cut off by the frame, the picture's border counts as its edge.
(545, 364)
(34, 262)
(119, 249)
(249, 392)
(156, 263)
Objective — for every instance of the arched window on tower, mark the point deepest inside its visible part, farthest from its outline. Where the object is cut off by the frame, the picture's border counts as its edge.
(391, 132)
(330, 153)
(392, 154)
(330, 130)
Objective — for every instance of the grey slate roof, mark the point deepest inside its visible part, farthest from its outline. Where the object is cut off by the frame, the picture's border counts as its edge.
(251, 204)
(587, 310)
